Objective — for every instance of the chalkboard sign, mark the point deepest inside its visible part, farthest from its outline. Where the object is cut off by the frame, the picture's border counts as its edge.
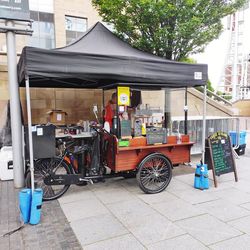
(221, 155)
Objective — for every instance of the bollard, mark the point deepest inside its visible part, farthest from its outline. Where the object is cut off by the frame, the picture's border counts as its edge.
(25, 204)
(36, 206)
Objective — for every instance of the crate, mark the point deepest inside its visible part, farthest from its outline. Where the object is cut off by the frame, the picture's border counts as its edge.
(138, 141)
(184, 138)
(172, 139)
(156, 135)
(123, 143)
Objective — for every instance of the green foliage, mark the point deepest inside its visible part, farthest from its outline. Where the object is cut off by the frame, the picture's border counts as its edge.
(167, 28)
(209, 86)
(224, 95)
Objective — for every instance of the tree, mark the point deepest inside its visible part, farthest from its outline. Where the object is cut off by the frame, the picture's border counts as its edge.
(173, 29)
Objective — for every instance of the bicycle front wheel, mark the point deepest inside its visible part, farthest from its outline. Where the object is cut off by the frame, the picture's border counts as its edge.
(44, 168)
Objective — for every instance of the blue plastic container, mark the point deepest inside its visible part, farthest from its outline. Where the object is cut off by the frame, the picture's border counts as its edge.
(233, 135)
(242, 139)
(197, 183)
(36, 206)
(204, 177)
(25, 204)
(201, 180)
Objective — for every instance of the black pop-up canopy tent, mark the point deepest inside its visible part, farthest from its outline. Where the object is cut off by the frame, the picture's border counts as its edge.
(99, 59)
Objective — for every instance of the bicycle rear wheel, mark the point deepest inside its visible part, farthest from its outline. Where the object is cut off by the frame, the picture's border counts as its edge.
(44, 168)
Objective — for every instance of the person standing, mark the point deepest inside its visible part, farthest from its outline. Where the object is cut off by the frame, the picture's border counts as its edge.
(110, 109)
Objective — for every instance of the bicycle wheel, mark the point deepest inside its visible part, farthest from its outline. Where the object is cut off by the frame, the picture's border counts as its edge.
(154, 173)
(45, 167)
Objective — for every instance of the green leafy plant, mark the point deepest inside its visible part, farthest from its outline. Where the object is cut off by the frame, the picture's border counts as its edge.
(167, 28)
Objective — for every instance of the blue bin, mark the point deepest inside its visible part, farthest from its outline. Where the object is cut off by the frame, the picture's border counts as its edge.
(36, 206)
(233, 135)
(25, 204)
(243, 135)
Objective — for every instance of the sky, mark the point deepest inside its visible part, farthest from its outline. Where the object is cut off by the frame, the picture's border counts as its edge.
(216, 52)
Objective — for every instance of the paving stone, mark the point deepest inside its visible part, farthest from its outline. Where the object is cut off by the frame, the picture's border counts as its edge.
(76, 194)
(157, 198)
(246, 205)
(113, 195)
(93, 229)
(223, 210)
(195, 196)
(240, 243)
(187, 179)
(153, 228)
(176, 184)
(233, 195)
(49, 234)
(242, 224)
(125, 242)
(130, 210)
(183, 242)
(83, 209)
(177, 210)
(208, 229)
(243, 185)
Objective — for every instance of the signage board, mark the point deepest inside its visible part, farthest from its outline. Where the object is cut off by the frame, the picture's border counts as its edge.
(15, 10)
(123, 96)
(221, 155)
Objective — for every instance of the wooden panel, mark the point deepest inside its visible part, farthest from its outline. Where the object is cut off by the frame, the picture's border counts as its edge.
(130, 159)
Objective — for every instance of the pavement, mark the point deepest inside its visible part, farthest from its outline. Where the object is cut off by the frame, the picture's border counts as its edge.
(54, 231)
(118, 215)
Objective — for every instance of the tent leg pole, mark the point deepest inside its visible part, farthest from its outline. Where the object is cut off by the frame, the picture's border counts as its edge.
(186, 113)
(15, 110)
(167, 111)
(103, 107)
(204, 124)
(27, 85)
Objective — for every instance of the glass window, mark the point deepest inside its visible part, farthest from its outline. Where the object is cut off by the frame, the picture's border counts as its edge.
(75, 27)
(43, 30)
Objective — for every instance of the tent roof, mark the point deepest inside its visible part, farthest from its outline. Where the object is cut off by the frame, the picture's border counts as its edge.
(99, 59)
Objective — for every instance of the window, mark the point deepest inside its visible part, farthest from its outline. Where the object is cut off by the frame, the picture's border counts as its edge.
(75, 27)
(43, 30)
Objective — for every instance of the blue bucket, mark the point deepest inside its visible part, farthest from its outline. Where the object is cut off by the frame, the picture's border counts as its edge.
(25, 204)
(36, 206)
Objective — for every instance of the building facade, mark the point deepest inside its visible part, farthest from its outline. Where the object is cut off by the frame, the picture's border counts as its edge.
(55, 24)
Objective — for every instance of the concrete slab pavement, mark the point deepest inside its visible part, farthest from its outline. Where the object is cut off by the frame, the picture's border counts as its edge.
(118, 215)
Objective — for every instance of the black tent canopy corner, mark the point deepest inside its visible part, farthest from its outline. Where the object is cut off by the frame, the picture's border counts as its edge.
(99, 59)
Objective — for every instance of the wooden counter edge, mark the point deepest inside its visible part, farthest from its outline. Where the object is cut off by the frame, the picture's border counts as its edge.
(155, 146)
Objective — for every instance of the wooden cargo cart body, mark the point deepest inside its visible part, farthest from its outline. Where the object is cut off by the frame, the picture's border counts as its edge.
(128, 158)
